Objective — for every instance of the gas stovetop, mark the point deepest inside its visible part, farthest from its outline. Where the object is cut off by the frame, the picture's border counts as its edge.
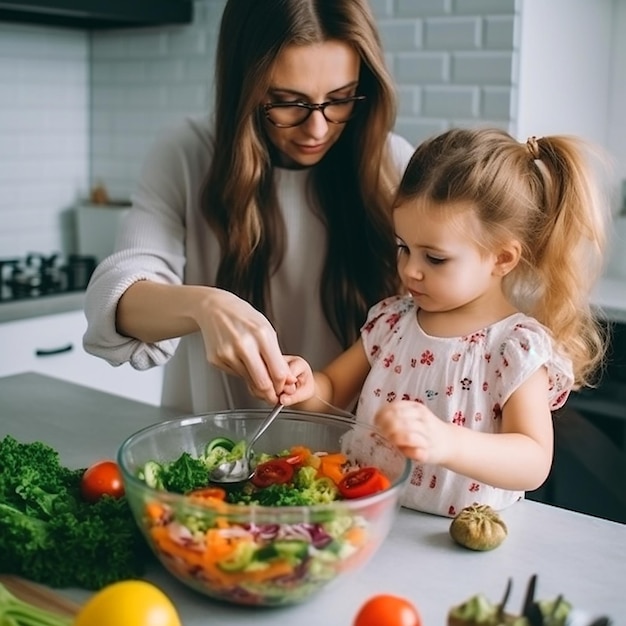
(37, 275)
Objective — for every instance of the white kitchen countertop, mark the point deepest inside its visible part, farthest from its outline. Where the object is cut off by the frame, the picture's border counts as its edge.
(27, 308)
(581, 556)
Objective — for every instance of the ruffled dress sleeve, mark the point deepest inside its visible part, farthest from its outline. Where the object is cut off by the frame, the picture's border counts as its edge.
(527, 347)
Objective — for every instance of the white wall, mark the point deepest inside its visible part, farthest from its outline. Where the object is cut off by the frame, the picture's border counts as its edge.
(616, 141)
(44, 135)
(564, 68)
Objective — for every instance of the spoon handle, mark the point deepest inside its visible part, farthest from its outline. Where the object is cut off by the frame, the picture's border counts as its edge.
(265, 424)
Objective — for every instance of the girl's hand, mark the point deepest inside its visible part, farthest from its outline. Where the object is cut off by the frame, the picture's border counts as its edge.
(415, 429)
(304, 387)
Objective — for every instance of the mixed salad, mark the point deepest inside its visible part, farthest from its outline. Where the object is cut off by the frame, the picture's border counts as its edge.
(277, 558)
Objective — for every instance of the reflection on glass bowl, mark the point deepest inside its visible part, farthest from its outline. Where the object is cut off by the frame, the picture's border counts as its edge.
(253, 554)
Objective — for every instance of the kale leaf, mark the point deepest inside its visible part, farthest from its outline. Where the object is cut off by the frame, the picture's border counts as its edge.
(49, 534)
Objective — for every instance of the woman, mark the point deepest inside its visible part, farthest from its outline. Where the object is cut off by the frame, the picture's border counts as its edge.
(266, 231)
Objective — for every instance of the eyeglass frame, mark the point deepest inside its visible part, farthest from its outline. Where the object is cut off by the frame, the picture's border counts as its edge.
(320, 106)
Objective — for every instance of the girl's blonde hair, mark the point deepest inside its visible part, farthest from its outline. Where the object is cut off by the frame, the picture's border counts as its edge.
(542, 193)
(351, 188)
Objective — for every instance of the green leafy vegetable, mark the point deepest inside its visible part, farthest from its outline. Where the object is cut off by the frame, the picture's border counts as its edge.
(16, 612)
(184, 474)
(49, 534)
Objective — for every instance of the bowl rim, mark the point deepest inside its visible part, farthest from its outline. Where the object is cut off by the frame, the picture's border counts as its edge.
(228, 509)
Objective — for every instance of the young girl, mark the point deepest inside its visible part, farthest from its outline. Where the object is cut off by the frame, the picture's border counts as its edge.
(499, 244)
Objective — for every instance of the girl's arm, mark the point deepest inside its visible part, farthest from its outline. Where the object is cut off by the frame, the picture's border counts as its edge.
(338, 384)
(518, 458)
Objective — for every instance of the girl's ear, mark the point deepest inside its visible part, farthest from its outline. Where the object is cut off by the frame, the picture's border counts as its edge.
(508, 257)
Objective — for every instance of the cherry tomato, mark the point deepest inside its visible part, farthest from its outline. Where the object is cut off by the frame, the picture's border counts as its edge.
(272, 472)
(362, 482)
(387, 610)
(102, 478)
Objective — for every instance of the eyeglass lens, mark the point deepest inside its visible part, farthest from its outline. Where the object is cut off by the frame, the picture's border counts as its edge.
(292, 115)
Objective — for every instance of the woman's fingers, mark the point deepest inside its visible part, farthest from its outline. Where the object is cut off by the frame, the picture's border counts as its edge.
(240, 340)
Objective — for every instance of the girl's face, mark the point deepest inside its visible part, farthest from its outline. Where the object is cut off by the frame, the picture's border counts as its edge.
(312, 74)
(439, 261)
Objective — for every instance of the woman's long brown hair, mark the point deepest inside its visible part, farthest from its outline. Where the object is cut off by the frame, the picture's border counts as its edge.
(351, 187)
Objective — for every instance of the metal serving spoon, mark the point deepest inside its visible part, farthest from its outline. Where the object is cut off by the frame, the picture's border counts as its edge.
(241, 470)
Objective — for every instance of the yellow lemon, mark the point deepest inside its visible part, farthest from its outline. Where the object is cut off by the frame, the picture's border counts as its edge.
(128, 603)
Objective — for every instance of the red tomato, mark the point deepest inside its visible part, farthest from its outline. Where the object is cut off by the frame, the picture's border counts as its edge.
(272, 472)
(387, 610)
(362, 482)
(102, 478)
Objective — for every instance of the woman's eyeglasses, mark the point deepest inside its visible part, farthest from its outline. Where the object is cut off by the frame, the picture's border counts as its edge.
(289, 114)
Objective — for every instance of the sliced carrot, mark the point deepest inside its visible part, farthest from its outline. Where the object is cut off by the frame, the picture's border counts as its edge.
(356, 535)
(155, 512)
(331, 466)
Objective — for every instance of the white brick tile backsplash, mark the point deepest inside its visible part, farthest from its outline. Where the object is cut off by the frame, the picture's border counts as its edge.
(483, 7)
(422, 8)
(421, 68)
(452, 33)
(450, 102)
(77, 107)
(401, 34)
(476, 68)
(498, 32)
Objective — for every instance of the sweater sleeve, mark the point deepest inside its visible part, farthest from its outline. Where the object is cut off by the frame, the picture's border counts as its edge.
(150, 245)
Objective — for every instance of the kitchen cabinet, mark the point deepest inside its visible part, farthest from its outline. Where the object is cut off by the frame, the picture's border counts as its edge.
(52, 345)
(97, 14)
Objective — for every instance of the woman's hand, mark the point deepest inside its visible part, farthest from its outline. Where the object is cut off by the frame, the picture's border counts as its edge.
(240, 340)
(416, 430)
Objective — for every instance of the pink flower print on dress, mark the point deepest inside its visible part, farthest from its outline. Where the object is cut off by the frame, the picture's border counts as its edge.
(405, 396)
(496, 412)
(449, 390)
(474, 487)
(458, 418)
(388, 360)
(433, 481)
(487, 357)
(478, 416)
(378, 392)
(524, 345)
(391, 396)
(475, 337)
(427, 358)
(392, 320)
(413, 362)
(560, 400)
(397, 369)
(417, 475)
(370, 325)
(466, 383)
(485, 386)
(451, 511)
(456, 356)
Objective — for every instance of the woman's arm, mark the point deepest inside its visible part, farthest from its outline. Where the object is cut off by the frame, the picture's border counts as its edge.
(237, 338)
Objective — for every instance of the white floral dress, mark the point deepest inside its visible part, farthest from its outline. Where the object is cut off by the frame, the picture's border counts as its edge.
(463, 380)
